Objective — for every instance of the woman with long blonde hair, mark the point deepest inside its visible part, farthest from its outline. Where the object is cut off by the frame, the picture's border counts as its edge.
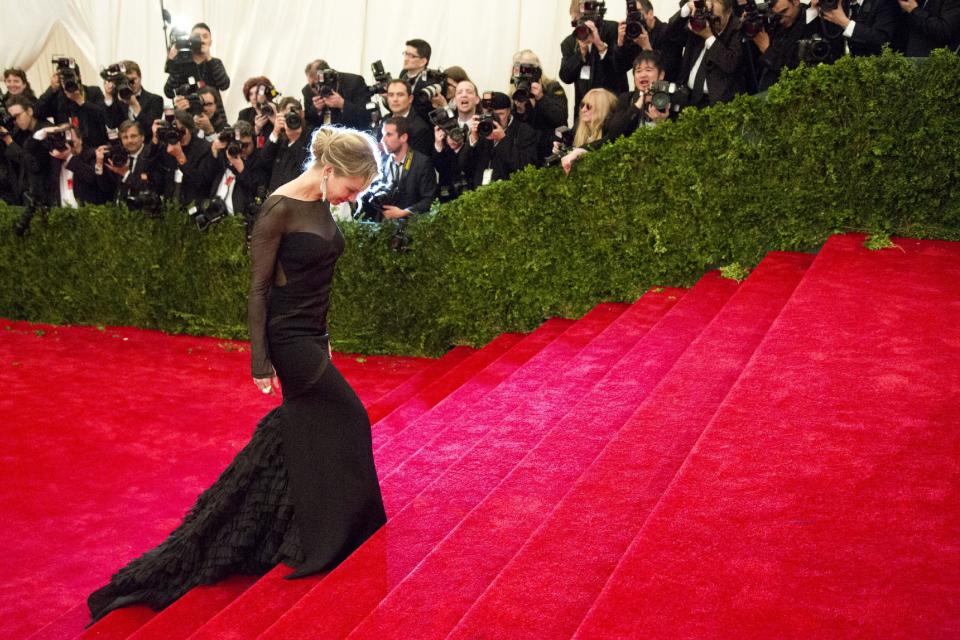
(596, 109)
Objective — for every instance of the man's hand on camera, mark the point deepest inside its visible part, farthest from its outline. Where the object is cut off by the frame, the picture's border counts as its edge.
(439, 135)
(259, 122)
(100, 153)
(655, 115)
(621, 33)
(279, 123)
(55, 81)
(536, 93)
(393, 213)
(236, 162)
(318, 102)
(595, 38)
(907, 5)
(203, 123)
(216, 146)
(61, 154)
(181, 103)
(334, 101)
(836, 16)
(643, 40)
(172, 53)
(176, 151)
(156, 125)
(133, 103)
(5, 136)
(762, 40)
(498, 133)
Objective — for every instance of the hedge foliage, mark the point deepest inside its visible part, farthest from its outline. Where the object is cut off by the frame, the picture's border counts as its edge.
(864, 144)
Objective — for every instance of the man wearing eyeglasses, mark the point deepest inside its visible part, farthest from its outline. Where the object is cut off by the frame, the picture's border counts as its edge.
(142, 106)
(120, 177)
(416, 59)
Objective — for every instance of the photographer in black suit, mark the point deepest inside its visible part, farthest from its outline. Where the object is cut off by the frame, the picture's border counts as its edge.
(711, 61)
(182, 161)
(930, 25)
(538, 100)
(400, 103)
(71, 180)
(416, 59)
(288, 146)
(68, 100)
(197, 63)
(509, 146)
(867, 24)
(239, 172)
(408, 176)
(636, 109)
(119, 177)
(589, 58)
(335, 97)
(24, 166)
(132, 102)
(650, 38)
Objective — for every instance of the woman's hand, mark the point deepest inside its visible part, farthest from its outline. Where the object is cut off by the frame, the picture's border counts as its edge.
(268, 385)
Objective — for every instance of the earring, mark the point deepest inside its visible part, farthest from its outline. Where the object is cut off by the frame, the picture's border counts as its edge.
(323, 188)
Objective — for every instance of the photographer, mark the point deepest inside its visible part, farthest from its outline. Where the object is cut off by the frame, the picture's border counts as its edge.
(16, 83)
(643, 31)
(131, 101)
(592, 130)
(588, 58)
(24, 160)
(416, 59)
(400, 103)
(409, 181)
(934, 24)
(68, 100)
(498, 143)
(238, 167)
(128, 169)
(799, 26)
(211, 118)
(71, 180)
(194, 61)
(335, 97)
(867, 24)
(538, 100)
(184, 166)
(287, 148)
(711, 63)
(636, 107)
(450, 138)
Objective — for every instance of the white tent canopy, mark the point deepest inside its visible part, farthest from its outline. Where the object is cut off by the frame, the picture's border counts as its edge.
(278, 38)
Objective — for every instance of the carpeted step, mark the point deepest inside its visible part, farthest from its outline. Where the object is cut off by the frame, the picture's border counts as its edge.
(548, 586)
(538, 347)
(412, 533)
(822, 500)
(121, 624)
(431, 599)
(416, 383)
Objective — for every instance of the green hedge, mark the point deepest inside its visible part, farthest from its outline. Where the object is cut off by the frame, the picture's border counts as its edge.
(864, 144)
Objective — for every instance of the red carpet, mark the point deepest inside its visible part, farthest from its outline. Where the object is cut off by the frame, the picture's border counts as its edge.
(774, 459)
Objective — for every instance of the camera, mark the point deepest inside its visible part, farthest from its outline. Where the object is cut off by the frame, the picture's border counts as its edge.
(373, 114)
(563, 136)
(189, 91)
(446, 119)
(375, 198)
(436, 84)
(668, 96)
(293, 119)
(31, 207)
(829, 5)
(186, 45)
(168, 132)
(117, 74)
(381, 79)
(326, 82)
(144, 199)
(589, 11)
(756, 18)
(399, 241)
(68, 73)
(229, 137)
(115, 153)
(635, 22)
(524, 75)
(448, 192)
(58, 140)
(207, 212)
(813, 49)
(700, 18)
(486, 123)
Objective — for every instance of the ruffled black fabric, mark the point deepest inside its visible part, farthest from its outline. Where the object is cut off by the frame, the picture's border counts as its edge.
(242, 524)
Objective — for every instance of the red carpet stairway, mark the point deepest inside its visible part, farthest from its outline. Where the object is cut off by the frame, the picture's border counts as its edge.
(778, 458)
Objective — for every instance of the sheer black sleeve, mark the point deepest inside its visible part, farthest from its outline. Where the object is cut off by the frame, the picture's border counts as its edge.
(267, 232)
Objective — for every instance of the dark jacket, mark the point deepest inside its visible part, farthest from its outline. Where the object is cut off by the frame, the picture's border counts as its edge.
(86, 187)
(353, 89)
(783, 52)
(143, 174)
(604, 73)
(417, 187)
(209, 73)
(90, 119)
(253, 176)
(419, 134)
(197, 172)
(670, 52)
(549, 113)
(875, 24)
(24, 164)
(934, 24)
(514, 152)
(721, 68)
(284, 162)
(151, 109)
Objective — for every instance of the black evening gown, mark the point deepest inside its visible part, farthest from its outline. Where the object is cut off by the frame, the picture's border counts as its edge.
(304, 490)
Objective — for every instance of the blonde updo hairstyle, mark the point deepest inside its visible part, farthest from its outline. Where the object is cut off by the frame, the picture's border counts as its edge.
(351, 153)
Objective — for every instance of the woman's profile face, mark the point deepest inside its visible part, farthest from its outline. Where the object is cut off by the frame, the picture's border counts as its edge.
(342, 189)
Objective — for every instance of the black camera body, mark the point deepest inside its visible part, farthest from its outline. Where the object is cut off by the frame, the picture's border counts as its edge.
(446, 119)
(58, 140)
(524, 75)
(117, 74)
(115, 152)
(381, 78)
(326, 82)
(375, 198)
(186, 45)
(666, 96)
(399, 241)
(436, 84)
(144, 199)
(68, 72)
(756, 18)
(230, 137)
(207, 212)
(700, 18)
(829, 5)
(190, 90)
(293, 119)
(486, 123)
(564, 137)
(635, 22)
(814, 49)
(589, 11)
(169, 133)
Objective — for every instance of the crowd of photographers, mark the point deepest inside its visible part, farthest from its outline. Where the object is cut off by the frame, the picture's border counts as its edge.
(440, 135)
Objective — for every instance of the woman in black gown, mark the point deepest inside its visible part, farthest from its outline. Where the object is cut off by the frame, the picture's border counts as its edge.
(304, 490)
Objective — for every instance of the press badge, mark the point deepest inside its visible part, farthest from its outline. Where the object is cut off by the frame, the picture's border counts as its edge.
(487, 176)
(585, 72)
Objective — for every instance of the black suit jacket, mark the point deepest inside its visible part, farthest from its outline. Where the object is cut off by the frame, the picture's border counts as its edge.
(783, 52)
(284, 162)
(248, 181)
(143, 174)
(417, 187)
(86, 187)
(151, 109)
(419, 134)
(604, 74)
(721, 67)
(875, 24)
(91, 118)
(209, 73)
(197, 172)
(355, 97)
(934, 24)
(514, 152)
